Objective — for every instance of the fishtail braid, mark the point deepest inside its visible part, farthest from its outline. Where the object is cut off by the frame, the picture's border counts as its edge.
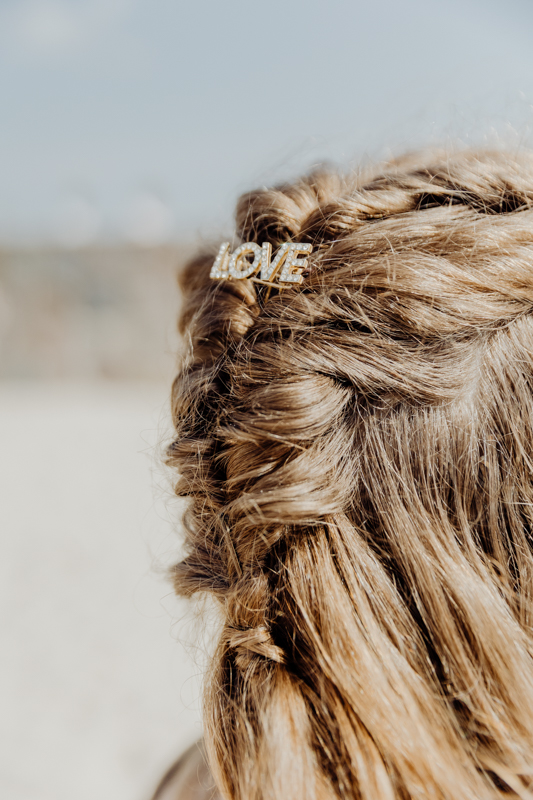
(358, 457)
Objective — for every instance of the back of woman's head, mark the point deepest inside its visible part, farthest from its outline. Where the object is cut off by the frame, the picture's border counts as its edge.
(358, 454)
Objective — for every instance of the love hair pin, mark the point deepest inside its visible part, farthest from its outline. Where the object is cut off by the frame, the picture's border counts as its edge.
(282, 271)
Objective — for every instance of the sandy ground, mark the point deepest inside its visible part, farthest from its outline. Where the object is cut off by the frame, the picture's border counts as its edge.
(99, 682)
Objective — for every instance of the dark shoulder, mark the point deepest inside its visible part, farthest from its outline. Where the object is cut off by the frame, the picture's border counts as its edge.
(189, 778)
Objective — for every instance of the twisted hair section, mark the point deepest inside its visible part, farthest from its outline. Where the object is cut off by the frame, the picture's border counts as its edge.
(358, 454)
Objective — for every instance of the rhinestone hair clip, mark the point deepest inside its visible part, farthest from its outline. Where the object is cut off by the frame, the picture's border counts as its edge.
(282, 271)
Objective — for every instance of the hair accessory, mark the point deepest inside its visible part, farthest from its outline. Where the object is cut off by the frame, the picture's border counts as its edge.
(285, 268)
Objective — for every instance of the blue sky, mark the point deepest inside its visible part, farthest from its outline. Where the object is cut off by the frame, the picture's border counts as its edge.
(144, 119)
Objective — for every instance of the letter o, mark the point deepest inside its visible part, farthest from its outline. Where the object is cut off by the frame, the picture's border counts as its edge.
(238, 266)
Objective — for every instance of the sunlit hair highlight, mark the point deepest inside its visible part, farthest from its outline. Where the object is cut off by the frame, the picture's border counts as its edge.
(358, 457)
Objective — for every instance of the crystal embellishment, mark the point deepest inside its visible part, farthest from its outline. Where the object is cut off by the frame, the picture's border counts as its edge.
(239, 267)
(219, 270)
(282, 271)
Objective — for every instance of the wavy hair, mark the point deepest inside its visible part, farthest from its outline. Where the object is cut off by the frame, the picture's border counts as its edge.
(358, 456)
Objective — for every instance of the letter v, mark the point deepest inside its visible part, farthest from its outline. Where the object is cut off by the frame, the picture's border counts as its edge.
(270, 268)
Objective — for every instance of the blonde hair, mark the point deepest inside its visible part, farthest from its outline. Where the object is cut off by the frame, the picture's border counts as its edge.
(358, 454)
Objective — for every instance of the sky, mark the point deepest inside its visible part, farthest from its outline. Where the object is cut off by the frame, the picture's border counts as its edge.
(143, 120)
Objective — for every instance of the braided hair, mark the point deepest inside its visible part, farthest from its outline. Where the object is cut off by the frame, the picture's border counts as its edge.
(358, 456)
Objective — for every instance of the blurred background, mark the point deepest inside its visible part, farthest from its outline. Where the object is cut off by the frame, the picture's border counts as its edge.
(128, 129)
